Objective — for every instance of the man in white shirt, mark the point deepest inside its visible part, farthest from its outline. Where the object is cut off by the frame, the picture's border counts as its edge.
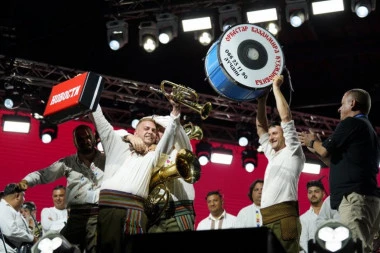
(250, 216)
(279, 202)
(13, 225)
(179, 214)
(218, 218)
(54, 218)
(126, 177)
(315, 194)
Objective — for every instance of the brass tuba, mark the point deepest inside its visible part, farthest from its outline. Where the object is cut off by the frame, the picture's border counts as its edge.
(185, 96)
(194, 132)
(186, 165)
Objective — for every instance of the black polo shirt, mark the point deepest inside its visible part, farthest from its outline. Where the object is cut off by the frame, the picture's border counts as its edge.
(354, 164)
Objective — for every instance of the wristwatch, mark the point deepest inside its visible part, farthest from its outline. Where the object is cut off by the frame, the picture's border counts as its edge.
(311, 144)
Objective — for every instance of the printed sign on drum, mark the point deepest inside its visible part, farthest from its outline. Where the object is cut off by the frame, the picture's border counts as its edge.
(243, 62)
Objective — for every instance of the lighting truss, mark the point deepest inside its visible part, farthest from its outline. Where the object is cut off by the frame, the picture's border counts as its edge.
(225, 111)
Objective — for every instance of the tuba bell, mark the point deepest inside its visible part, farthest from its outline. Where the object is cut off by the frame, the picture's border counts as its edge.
(186, 165)
(194, 132)
(185, 96)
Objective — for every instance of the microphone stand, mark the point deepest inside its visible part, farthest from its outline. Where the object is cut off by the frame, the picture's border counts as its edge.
(36, 224)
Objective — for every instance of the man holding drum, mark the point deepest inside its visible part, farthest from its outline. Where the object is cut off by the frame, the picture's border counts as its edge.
(279, 201)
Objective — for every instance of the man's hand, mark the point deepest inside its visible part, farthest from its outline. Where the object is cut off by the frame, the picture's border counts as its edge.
(23, 185)
(176, 107)
(137, 144)
(278, 80)
(306, 139)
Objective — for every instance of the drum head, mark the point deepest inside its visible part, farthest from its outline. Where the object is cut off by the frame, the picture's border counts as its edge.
(250, 55)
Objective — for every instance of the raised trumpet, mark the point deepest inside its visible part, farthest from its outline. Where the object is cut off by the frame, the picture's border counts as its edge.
(185, 96)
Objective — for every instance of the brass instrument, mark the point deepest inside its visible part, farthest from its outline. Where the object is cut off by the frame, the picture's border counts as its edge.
(186, 165)
(185, 96)
(194, 132)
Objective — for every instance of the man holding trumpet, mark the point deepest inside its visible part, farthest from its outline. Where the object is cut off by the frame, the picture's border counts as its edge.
(127, 175)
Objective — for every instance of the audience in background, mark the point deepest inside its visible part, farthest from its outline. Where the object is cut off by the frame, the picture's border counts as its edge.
(250, 216)
(327, 213)
(53, 219)
(218, 217)
(29, 211)
(13, 226)
(315, 194)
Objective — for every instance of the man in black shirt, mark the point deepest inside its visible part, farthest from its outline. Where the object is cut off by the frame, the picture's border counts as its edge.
(352, 152)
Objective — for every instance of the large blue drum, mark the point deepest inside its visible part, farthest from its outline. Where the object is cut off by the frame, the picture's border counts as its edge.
(243, 62)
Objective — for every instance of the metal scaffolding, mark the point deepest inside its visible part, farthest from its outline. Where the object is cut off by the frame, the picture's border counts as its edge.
(220, 126)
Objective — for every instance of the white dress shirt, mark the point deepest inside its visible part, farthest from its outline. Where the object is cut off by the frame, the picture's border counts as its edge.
(14, 227)
(53, 219)
(224, 221)
(249, 217)
(309, 226)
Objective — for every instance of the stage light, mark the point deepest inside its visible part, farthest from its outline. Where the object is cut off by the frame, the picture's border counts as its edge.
(13, 93)
(16, 123)
(363, 7)
(54, 242)
(205, 37)
(196, 24)
(311, 168)
(117, 34)
(249, 159)
(333, 236)
(48, 131)
(244, 134)
(260, 16)
(221, 155)
(229, 15)
(148, 36)
(296, 12)
(273, 28)
(167, 25)
(328, 6)
(203, 152)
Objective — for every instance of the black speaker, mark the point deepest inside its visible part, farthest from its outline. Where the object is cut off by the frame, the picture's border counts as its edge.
(260, 240)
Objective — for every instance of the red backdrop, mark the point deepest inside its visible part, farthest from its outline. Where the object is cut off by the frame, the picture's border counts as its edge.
(24, 153)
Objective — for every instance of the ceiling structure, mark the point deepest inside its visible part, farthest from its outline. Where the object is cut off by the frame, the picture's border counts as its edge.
(326, 56)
